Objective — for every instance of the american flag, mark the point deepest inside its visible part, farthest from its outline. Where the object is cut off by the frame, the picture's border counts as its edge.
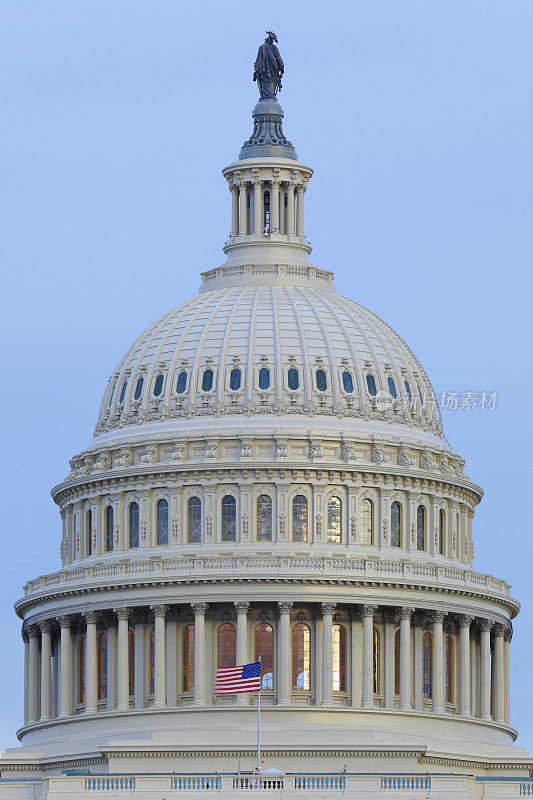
(232, 680)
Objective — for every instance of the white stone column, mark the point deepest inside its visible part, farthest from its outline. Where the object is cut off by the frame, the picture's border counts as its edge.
(419, 623)
(123, 690)
(474, 680)
(485, 626)
(243, 209)
(285, 652)
(464, 665)
(368, 656)
(65, 697)
(26, 640)
(405, 659)
(437, 687)
(274, 206)
(46, 669)
(241, 654)
(327, 653)
(508, 635)
(140, 660)
(258, 206)
(159, 613)
(389, 616)
(499, 674)
(234, 189)
(300, 210)
(290, 209)
(34, 677)
(55, 678)
(199, 652)
(356, 649)
(91, 663)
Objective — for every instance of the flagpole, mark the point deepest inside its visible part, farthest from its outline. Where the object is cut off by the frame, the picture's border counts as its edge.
(259, 720)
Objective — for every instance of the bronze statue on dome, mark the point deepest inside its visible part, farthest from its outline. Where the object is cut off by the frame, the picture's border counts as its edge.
(268, 68)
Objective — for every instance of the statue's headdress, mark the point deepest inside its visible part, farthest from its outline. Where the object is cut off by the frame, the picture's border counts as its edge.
(271, 33)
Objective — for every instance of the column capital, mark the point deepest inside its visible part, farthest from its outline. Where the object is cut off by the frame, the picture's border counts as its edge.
(406, 612)
(25, 635)
(499, 629)
(159, 610)
(257, 183)
(199, 608)
(91, 617)
(368, 610)
(242, 606)
(485, 624)
(45, 625)
(285, 606)
(65, 621)
(438, 616)
(33, 630)
(122, 613)
(508, 635)
(328, 608)
(465, 620)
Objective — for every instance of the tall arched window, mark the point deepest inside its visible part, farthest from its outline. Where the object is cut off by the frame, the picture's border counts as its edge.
(89, 531)
(371, 385)
(226, 645)
(339, 658)
(134, 524)
(151, 668)
(162, 522)
(299, 518)
(194, 520)
(181, 383)
(301, 657)
(376, 648)
(293, 379)
(397, 662)
(207, 380)
(420, 528)
(392, 388)
(408, 390)
(138, 388)
(442, 530)
(427, 664)
(321, 380)
(188, 658)
(81, 670)
(264, 378)
(449, 669)
(395, 525)
(229, 519)
(264, 519)
(264, 648)
(158, 385)
(235, 379)
(266, 212)
(347, 381)
(367, 521)
(109, 528)
(334, 522)
(123, 392)
(131, 661)
(101, 655)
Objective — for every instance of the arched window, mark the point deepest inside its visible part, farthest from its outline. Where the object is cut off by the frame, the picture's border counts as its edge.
(89, 531)
(395, 525)
(123, 392)
(321, 380)
(420, 528)
(264, 519)
(158, 385)
(207, 380)
(367, 521)
(347, 381)
(264, 648)
(109, 528)
(264, 378)
(188, 658)
(376, 648)
(371, 385)
(449, 669)
(293, 379)
(138, 388)
(397, 662)
(181, 383)
(194, 520)
(334, 522)
(162, 522)
(408, 390)
(301, 657)
(131, 661)
(101, 655)
(266, 214)
(134, 524)
(226, 646)
(151, 650)
(235, 379)
(299, 518)
(427, 664)
(229, 519)
(339, 658)
(392, 388)
(442, 530)
(420, 395)
(81, 670)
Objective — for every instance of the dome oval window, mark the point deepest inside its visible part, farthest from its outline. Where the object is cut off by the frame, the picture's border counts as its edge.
(138, 388)
(235, 379)
(207, 380)
(371, 384)
(408, 390)
(347, 382)
(181, 383)
(392, 388)
(158, 385)
(123, 392)
(264, 378)
(293, 379)
(321, 380)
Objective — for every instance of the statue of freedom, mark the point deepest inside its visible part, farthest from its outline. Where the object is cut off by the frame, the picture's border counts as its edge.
(268, 68)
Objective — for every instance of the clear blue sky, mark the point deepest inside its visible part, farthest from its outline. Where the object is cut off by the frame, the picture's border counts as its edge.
(116, 120)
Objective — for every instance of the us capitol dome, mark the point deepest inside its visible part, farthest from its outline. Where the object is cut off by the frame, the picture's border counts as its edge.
(269, 478)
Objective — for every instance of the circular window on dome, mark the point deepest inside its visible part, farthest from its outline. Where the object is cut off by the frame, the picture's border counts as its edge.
(235, 379)
(347, 382)
(181, 383)
(293, 379)
(392, 388)
(138, 388)
(371, 384)
(321, 380)
(207, 380)
(158, 385)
